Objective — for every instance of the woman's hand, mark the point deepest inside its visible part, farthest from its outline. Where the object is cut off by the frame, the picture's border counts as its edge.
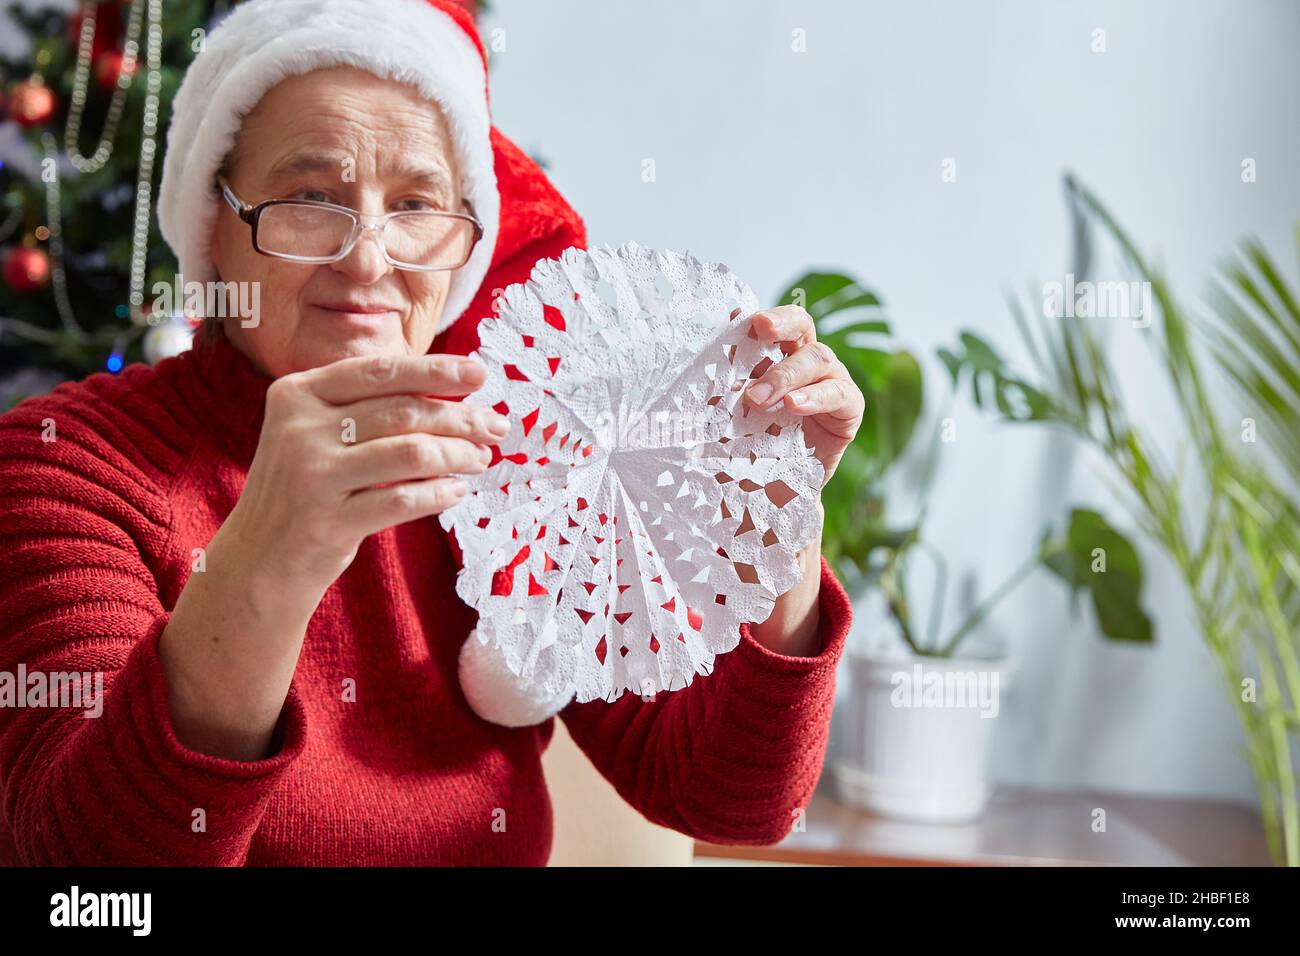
(346, 450)
(810, 381)
(357, 446)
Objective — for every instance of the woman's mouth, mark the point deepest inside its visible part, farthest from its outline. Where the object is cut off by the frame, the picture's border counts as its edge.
(356, 312)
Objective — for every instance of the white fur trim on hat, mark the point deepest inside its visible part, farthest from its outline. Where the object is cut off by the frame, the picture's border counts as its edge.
(262, 42)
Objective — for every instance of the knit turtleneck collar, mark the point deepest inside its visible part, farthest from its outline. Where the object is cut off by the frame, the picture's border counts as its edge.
(231, 393)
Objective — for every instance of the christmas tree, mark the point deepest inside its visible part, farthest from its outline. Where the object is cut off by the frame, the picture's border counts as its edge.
(79, 243)
(79, 247)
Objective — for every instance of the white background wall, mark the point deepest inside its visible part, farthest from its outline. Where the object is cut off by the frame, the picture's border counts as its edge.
(774, 161)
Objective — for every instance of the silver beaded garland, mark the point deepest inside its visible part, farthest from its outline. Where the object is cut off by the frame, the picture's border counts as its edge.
(81, 82)
(148, 148)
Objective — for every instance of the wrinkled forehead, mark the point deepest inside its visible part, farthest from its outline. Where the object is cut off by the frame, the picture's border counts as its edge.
(347, 122)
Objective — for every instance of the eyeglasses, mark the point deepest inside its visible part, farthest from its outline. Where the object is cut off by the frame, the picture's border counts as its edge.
(304, 230)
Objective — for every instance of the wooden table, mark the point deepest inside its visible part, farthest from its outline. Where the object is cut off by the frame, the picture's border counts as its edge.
(1021, 828)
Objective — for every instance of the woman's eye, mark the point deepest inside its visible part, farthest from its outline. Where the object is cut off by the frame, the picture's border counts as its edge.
(415, 205)
(315, 195)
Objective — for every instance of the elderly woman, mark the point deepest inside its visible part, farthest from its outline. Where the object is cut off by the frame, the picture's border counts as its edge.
(273, 610)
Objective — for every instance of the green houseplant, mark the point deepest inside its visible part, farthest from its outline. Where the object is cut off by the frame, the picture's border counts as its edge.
(917, 734)
(861, 537)
(1228, 522)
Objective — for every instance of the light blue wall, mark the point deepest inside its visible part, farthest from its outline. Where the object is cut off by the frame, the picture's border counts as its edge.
(771, 161)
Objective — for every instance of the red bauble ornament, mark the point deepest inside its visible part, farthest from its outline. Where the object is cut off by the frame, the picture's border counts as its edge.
(31, 103)
(26, 269)
(108, 67)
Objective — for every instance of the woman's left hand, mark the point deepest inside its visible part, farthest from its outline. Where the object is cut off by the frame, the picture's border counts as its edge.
(811, 382)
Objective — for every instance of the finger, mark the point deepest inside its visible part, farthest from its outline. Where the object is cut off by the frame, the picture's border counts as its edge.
(367, 376)
(411, 457)
(374, 509)
(403, 414)
(809, 364)
(836, 398)
(787, 324)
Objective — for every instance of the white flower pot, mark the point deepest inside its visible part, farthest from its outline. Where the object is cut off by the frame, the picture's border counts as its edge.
(917, 735)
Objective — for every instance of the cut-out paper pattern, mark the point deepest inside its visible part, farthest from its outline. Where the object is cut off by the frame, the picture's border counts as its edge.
(639, 509)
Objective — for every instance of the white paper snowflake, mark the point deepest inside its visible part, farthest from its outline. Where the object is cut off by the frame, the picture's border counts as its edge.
(639, 510)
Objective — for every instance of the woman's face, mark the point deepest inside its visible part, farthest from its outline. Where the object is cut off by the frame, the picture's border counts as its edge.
(346, 136)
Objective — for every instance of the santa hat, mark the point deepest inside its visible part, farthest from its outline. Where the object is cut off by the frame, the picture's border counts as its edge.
(429, 44)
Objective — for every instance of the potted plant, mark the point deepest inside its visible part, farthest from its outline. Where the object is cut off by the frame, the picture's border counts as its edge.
(917, 725)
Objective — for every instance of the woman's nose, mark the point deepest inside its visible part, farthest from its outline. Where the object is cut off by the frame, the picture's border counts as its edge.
(365, 262)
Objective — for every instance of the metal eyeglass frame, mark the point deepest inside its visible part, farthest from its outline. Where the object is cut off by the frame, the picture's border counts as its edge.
(251, 214)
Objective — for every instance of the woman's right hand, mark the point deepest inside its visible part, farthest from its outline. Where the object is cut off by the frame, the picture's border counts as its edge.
(356, 446)
(346, 450)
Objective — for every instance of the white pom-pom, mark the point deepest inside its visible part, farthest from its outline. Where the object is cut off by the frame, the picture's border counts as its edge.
(172, 336)
(500, 696)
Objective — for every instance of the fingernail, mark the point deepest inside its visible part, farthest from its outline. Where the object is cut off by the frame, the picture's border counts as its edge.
(499, 426)
(459, 487)
(466, 371)
(759, 393)
(799, 396)
(485, 454)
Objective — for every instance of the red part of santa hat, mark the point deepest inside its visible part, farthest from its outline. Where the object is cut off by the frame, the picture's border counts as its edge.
(429, 44)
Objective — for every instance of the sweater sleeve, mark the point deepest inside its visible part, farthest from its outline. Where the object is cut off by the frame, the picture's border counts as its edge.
(733, 757)
(105, 781)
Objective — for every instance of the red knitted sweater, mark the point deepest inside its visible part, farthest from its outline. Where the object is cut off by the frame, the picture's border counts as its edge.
(99, 527)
